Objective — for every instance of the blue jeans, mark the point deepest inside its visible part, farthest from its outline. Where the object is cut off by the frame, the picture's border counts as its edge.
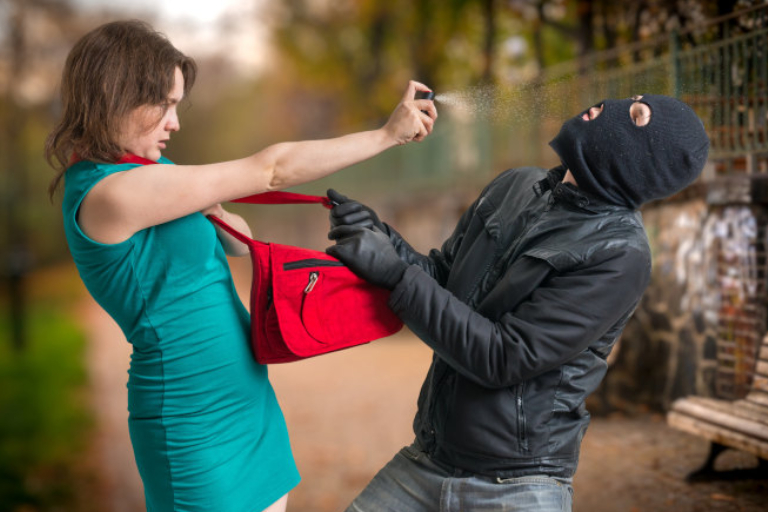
(411, 482)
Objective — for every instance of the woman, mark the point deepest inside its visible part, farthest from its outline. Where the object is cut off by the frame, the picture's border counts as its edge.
(206, 429)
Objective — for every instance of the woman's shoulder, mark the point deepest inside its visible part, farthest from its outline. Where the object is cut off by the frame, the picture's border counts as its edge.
(81, 176)
(86, 171)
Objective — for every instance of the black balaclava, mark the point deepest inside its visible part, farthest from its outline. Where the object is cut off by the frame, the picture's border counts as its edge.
(624, 164)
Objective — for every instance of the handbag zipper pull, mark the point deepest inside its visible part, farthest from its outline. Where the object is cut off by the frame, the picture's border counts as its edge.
(313, 277)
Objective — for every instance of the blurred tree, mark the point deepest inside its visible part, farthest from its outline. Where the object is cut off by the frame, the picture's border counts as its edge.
(604, 24)
(29, 32)
(489, 45)
(369, 48)
(15, 258)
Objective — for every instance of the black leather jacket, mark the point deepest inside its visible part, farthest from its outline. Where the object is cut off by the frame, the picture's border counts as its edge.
(521, 306)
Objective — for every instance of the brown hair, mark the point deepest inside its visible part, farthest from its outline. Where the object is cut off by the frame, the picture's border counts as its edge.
(111, 71)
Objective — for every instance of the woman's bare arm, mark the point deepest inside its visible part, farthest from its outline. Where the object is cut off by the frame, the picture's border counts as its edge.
(126, 202)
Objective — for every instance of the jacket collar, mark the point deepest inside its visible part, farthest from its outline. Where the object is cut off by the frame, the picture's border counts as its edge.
(554, 176)
(570, 194)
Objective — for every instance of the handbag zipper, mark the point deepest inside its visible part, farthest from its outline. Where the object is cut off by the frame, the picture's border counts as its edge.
(313, 277)
(311, 262)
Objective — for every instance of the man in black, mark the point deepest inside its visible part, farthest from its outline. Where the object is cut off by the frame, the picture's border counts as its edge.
(521, 306)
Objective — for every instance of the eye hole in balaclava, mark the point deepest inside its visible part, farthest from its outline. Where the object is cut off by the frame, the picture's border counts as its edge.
(625, 163)
(640, 112)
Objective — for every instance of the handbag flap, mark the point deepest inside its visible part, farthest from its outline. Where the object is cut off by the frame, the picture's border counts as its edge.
(305, 303)
(322, 306)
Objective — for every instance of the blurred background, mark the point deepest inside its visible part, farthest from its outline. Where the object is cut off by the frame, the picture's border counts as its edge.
(507, 74)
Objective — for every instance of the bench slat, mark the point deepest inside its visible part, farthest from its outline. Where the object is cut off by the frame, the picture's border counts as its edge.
(741, 409)
(718, 434)
(752, 409)
(760, 383)
(715, 412)
(758, 397)
(740, 424)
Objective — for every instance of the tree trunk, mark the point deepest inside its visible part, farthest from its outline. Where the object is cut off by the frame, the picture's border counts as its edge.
(16, 254)
(422, 56)
(377, 36)
(585, 14)
(489, 17)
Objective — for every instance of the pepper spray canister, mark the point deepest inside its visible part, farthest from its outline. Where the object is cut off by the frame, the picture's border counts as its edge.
(425, 95)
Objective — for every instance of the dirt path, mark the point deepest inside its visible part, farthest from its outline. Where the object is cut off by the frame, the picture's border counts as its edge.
(108, 357)
(350, 411)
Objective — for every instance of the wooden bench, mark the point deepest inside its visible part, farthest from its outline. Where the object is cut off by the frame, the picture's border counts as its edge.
(740, 424)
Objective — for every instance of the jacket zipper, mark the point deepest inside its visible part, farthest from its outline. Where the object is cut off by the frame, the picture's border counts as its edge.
(432, 402)
(521, 423)
(309, 263)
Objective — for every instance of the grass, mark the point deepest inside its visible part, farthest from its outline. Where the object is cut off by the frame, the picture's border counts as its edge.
(44, 418)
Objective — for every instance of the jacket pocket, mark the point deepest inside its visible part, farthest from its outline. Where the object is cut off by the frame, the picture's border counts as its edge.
(560, 260)
(489, 216)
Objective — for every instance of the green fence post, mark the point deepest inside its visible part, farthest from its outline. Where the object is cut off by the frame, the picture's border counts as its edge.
(674, 45)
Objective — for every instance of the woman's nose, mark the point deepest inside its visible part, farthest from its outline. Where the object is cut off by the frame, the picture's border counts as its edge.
(173, 124)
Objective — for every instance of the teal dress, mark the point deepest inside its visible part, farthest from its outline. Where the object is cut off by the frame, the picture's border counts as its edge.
(207, 431)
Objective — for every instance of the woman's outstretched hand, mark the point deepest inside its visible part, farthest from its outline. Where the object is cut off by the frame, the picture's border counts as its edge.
(408, 123)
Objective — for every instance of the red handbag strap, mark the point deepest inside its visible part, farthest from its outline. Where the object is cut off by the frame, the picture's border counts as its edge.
(284, 198)
(270, 198)
(232, 231)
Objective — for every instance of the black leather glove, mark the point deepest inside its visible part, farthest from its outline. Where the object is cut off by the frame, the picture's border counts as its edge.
(349, 212)
(368, 253)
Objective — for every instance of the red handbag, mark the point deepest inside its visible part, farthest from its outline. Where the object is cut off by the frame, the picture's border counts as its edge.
(305, 303)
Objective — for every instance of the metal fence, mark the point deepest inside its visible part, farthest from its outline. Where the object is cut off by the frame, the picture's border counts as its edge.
(719, 67)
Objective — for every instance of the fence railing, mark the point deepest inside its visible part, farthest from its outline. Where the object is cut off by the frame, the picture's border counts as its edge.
(719, 67)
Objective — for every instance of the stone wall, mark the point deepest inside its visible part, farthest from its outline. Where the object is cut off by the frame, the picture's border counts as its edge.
(701, 319)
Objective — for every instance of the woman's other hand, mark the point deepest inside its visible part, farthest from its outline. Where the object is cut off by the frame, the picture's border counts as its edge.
(412, 119)
(231, 245)
(215, 210)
